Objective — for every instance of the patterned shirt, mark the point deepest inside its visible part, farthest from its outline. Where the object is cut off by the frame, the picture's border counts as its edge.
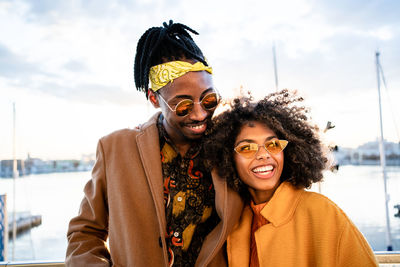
(189, 199)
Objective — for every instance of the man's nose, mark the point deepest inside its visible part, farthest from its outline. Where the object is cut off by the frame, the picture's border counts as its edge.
(198, 113)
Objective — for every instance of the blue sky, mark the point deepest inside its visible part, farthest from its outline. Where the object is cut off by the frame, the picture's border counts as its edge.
(68, 65)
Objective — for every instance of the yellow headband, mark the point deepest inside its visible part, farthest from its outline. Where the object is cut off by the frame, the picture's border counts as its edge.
(160, 75)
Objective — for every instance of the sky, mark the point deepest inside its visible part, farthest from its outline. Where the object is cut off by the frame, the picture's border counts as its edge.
(68, 65)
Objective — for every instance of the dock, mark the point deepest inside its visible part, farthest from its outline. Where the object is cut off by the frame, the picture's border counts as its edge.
(25, 221)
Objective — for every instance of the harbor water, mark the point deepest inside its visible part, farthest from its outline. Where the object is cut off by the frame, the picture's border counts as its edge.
(358, 190)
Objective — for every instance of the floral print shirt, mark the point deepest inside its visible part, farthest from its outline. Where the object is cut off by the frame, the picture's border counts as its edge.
(189, 199)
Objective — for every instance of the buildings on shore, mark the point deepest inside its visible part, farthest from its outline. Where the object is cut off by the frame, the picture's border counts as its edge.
(368, 154)
(37, 166)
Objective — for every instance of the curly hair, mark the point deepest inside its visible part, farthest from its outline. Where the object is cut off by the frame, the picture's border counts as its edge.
(304, 156)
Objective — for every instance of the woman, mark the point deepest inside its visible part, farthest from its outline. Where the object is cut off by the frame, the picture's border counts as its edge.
(269, 152)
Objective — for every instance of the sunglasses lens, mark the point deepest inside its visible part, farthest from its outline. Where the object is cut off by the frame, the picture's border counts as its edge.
(184, 107)
(210, 101)
(247, 150)
(275, 146)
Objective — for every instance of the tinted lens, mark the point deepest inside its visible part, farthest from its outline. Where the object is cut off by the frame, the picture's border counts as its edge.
(210, 101)
(275, 146)
(247, 150)
(184, 107)
(250, 150)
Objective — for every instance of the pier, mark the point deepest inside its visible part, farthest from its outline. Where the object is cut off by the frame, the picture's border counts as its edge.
(24, 221)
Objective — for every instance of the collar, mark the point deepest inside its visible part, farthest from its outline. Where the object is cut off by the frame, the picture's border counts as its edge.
(194, 149)
(257, 207)
(282, 206)
(162, 132)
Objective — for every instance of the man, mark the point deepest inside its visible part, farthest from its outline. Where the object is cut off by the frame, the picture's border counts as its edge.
(150, 193)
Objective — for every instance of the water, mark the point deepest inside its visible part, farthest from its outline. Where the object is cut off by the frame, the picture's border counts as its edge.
(55, 196)
(358, 190)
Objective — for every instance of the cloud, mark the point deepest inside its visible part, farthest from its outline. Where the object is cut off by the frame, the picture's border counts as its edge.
(359, 13)
(75, 66)
(44, 7)
(92, 93)
(20, 73)
(80, 53)
(384, 33)
(87, 47)
(54, 11)
(13, 66)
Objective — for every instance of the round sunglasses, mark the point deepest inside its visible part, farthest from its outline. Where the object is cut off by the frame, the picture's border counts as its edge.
(249, 150)
(184, 107)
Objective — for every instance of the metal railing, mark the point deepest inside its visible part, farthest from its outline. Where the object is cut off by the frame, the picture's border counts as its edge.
(384, 258)
(32, 264)
(387, 257)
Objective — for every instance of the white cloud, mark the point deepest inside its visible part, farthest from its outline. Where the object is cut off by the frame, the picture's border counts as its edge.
(80, 53)
(384, 33)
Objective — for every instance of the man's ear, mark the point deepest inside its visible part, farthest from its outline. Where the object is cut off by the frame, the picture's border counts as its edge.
(153, 98)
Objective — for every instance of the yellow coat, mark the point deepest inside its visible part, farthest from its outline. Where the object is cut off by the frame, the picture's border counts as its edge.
(305, 229)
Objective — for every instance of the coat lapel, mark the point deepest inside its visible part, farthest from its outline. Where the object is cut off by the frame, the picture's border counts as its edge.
(282, 206)
(238, 247)
(229, 206)
(149, 150)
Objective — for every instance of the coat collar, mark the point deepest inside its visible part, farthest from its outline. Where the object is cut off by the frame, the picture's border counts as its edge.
(229, 206)
(282, 206)
(238, 245)
(149, 150)
(278, 211)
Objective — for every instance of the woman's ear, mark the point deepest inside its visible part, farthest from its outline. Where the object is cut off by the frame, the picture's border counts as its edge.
(153, 98)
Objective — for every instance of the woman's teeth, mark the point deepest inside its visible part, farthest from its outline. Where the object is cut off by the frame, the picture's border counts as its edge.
(263, 169)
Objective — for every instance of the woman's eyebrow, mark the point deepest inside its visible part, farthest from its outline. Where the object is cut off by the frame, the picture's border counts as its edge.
(253, 141)
(271, 137)
(245, 140)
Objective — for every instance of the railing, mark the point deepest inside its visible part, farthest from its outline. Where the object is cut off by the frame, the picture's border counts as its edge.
(384, 258)
(32, 264)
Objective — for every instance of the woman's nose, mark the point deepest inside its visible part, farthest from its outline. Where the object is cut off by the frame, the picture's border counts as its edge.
(262, 153)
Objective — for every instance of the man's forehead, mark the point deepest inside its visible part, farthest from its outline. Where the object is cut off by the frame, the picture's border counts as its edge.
(193, 84)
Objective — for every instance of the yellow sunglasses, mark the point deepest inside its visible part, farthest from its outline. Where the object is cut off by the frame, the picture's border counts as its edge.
(249, 150)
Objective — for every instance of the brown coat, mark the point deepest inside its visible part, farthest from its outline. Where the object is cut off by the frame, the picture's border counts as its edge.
(124, 203)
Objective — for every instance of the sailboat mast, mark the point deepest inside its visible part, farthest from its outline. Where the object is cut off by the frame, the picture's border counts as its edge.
(275, 67)
(15, 175)
(383, 159)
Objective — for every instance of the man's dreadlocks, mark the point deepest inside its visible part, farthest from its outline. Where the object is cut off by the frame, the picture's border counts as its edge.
(163, 44)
